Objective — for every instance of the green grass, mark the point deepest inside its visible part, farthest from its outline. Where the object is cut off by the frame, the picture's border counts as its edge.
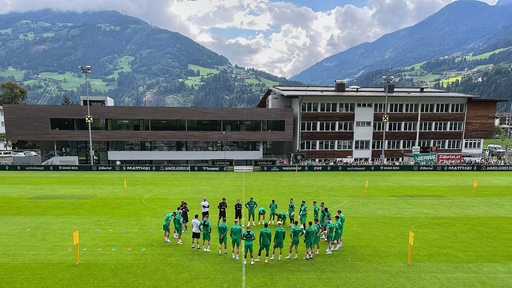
(486, 55)
(11, 71)
(462, 238)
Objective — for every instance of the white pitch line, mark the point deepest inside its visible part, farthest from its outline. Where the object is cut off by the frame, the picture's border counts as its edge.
(243, 201)
(341, 204)
(149, 205)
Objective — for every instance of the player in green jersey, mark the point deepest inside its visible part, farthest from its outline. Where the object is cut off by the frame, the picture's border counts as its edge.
(261, 215)
(251, 206)
(273, 211)
(323, 216)
(178, 225)
(303, 214)
(329, 230)
(279, 236)
(295, 234)
(316, 211)
(337, 232)
(236, 234)
(264, 241)
(310, 240)
(223, 236)
(281, 216)
(316, 241)
(248, 237)
(166, 228)
(291, 211)
(206, 228)
(341, 224)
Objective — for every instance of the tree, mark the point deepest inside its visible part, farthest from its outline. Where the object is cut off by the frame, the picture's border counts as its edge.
(66, 101)
(13, 93)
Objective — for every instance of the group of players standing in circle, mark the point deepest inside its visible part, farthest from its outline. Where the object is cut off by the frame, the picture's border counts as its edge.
(323, 226)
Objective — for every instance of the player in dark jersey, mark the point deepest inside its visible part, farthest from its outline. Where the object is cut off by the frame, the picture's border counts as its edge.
(222, 209)
(238, 211)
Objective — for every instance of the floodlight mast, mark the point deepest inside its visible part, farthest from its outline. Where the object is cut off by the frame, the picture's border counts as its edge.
(86, 70)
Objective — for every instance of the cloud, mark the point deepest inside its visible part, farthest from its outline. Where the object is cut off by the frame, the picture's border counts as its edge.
(278, 37)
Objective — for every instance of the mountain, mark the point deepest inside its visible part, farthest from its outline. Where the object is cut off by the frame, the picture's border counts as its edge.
(460, 28)
(133, 62)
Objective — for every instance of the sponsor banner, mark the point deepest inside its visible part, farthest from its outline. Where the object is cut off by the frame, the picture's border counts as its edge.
(267, 168)
(222, 162)
(111, 168)
(451, 158)
(424, 157)
(264, 162)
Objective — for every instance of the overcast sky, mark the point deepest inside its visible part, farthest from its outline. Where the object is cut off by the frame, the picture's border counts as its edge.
(281, 37)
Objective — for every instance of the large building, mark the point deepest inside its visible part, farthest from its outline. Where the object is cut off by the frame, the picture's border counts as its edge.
(333, 123)
(355, 124)
(152, 135)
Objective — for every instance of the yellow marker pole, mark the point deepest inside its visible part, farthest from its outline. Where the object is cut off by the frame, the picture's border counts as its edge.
(411, 243)
(475, 186)
(125, 187)
(76, 247)
(366, 188)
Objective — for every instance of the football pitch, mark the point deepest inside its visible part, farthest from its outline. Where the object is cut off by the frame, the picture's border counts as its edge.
(462, 223)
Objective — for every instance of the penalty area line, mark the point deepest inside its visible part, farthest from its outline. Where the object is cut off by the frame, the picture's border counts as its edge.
(149, 205)
(341, 204)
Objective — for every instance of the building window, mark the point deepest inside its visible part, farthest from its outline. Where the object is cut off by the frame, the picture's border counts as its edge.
(410, 126)
(425, 143)
(379, 107)
(363, 124)
(308, 126)
(393, 144)
(456, 126)
(327, 126)
(362, 144)
(215, 125)
(308, 145)
(310, 107)
(344, 145)
(440, 126)
(326, 145)
(328, 107)
(395, 126)
(442, 108)
(426, 126)
(364, 105)
(2, 124)
(472, 144)
(457, 108)
(427, 108)
(377, 144)
(439, 144)
(378, 126)
(62, 124)
(452, 144)
(396, 108)
(408, 144)
(410, 108)
(273, 125)
(346, 126)
(346, 107)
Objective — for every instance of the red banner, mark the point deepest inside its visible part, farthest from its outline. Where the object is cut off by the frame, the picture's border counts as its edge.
(449, 158)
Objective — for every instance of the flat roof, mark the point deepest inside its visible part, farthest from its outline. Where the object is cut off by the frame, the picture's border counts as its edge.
(296, 91)
(356, 91)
